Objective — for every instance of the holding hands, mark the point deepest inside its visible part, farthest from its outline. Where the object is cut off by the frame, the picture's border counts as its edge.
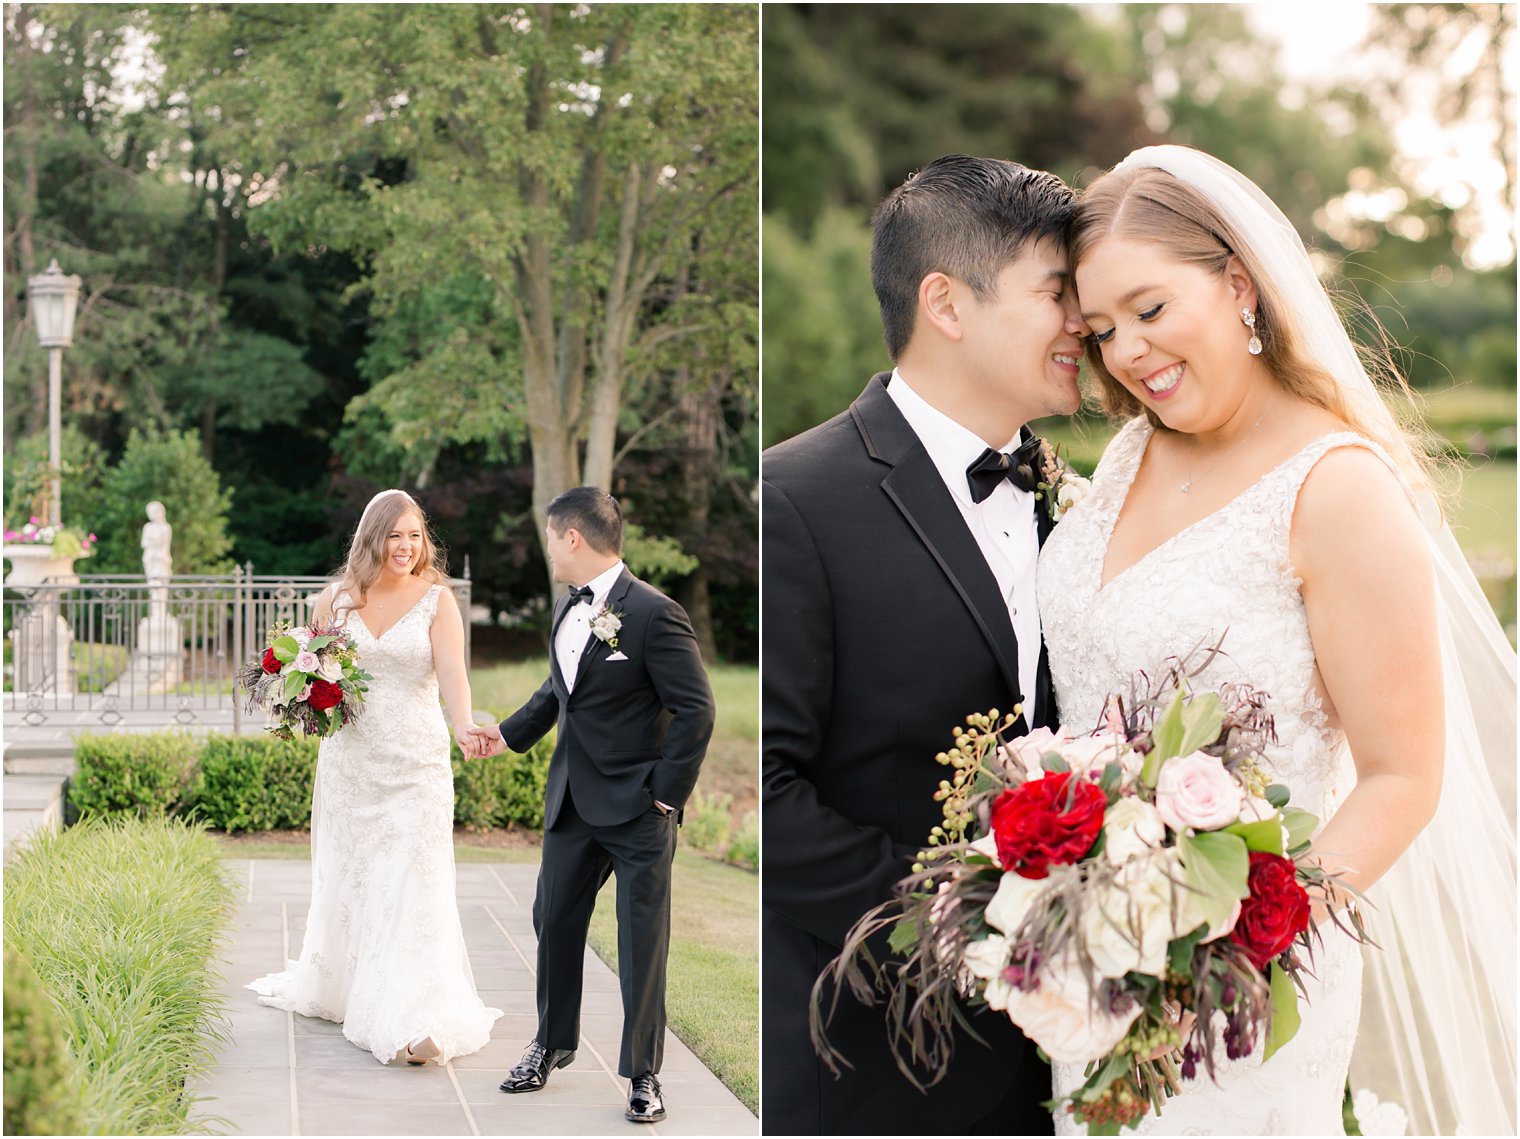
(480, 741)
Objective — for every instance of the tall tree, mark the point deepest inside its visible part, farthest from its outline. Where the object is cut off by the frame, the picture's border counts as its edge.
(563, 156)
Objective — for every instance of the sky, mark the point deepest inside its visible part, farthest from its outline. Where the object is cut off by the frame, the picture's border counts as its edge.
(1320, 42)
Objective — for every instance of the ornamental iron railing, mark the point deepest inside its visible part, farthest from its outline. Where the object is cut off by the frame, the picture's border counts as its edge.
(107, 649)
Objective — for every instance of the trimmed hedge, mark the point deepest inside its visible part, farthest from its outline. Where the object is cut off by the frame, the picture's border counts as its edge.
(259, 783)
(121, 919)
(132, 774)
(255, 783)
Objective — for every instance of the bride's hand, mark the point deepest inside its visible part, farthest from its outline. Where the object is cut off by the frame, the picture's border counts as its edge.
(1184, 1030)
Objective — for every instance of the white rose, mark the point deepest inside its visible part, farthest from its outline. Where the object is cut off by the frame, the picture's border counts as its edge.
(1128, 925)
(1025, 752)
(330, 669)
(1062, 1017)
(1196, 791)
(1082, 754)
(1094, 753)
(997, 993)
(1131, 827)
(302, 635)
(1254, 810)
(1010, 905)
(1074, 488)
(988, 957)
(987, 845)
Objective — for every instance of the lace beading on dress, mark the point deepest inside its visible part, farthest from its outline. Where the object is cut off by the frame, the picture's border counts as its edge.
(384, 950)
(1229, 574)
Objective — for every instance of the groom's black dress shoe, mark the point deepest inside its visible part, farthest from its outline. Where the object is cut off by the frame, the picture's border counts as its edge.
(645, 1103)
(532, 1071)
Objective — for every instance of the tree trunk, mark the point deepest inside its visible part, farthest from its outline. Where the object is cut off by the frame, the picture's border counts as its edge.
(700, 410)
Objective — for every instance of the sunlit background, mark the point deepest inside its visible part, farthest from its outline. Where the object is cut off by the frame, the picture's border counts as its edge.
(1385, 132)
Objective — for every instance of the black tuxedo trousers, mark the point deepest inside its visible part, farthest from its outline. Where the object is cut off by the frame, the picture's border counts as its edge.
(633, 730)
(883, 627)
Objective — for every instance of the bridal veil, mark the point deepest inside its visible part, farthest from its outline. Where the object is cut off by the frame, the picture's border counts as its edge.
(1438, 1026)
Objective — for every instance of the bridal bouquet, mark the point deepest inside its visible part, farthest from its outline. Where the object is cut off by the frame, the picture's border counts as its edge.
(307, 678)
(1138, 897)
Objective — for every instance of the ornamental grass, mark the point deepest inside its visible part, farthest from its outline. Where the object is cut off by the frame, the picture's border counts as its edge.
(122, 919)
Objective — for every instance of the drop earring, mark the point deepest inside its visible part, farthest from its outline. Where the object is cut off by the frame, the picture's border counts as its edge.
(1248, 318)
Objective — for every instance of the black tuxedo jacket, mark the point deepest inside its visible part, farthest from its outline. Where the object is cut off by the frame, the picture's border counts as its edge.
(634, 730)
(882, 628)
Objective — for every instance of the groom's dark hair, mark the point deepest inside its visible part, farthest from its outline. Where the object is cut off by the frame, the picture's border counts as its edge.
(592, 511)
(965, 217)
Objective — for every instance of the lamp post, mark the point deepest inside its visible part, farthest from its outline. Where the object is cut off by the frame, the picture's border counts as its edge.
(52, 298)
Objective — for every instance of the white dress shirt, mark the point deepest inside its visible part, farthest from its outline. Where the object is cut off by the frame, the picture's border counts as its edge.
(575, 629)
(1003, 523)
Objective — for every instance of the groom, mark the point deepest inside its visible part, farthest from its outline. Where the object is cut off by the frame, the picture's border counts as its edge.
(630, 698)
(898, 596)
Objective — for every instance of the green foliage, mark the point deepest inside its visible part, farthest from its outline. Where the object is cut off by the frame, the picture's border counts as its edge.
(504, 790)
(656, 559)
(745, 849)
(258, 783)
(823, 336)
(705, 826)
(255, 783)
(168, 468)
(27, 474)
(245, 380)
(127, 773)
(121, 920)
(41, 1080)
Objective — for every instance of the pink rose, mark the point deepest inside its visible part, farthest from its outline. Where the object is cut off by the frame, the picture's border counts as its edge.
(1196, 791)
(306, 661)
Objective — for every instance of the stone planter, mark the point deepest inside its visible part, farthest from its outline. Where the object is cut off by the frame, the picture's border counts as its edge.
(41, 641)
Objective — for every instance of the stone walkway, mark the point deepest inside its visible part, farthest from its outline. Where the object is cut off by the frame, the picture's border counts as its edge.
(283, 1074)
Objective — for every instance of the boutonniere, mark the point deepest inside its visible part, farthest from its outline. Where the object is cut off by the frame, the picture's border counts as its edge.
(1060, 488)
(605, 626)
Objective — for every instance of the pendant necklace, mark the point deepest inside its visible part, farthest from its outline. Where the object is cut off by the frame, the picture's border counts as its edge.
(1188, 483)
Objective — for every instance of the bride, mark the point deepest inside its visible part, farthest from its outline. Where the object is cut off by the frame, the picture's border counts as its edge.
(1263, 492)
(384, 951)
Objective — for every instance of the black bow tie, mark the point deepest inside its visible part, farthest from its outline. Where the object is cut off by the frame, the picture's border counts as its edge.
(1021, 467)
(583, 593)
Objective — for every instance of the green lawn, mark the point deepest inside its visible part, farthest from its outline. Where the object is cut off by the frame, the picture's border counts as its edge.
(732, 766)
(713, 991)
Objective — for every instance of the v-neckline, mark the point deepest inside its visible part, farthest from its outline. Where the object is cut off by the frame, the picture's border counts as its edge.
(1218, 510)
(381, 636)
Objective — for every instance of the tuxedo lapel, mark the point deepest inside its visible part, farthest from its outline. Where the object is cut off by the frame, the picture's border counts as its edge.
(561, 609)
(597, 647)
(915, 487)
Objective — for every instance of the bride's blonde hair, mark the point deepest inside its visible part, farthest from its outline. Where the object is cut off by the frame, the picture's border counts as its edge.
(366, 550)
(1149, 204)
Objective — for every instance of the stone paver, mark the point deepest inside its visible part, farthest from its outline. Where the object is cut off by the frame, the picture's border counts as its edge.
(283, 1074)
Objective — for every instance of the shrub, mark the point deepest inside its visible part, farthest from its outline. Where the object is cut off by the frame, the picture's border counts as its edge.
(139, 774)
(745, 849)
(259, 783)
(170, 469)
(255, 783)
(706, 824)
(121, 919)
(503, 790)
(41, 1079)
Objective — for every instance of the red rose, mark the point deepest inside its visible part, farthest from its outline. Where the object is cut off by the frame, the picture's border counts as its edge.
(1054, 819)
(324, 695)
(271, 662)
(1276, 912)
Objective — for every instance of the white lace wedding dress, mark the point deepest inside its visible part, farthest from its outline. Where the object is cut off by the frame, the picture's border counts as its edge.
(384, 951)
(1228, 574)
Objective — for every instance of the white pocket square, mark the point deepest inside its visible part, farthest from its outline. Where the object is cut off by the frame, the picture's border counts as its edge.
(618, 656)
